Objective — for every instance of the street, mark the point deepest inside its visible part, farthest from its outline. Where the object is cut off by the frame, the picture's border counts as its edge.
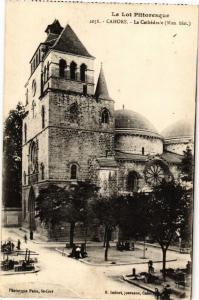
(64, 277)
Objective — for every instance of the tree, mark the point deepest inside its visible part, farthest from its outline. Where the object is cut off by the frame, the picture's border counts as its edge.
(49, 205)
(12, 157)
(107, 213)
(55, 205)
(77, 208)
(187, 165)
(133, 209)
(167, 207)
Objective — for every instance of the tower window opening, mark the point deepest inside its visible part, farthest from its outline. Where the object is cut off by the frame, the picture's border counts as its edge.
(62, 67)
(43, 116)
(73, 68)
(73, 172)
(83, 69)
(25, 133)
(47, 71)
(105, 116)
(142, 150)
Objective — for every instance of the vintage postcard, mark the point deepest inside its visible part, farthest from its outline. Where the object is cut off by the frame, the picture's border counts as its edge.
(98, 158)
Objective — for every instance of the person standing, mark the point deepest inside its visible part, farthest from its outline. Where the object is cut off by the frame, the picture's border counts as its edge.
(19, 245)
(25, 238)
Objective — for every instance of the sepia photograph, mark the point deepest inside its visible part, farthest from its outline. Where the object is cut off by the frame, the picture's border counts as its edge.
(98, 150)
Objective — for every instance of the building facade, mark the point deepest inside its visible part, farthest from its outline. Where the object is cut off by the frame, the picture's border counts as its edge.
(71, 131)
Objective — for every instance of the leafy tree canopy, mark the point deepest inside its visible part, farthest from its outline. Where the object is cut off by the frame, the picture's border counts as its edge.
(12, 157)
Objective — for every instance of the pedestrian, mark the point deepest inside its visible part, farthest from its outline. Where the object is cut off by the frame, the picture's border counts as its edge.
(31, 235)
(19, 245)
(157, 294)
(150, 267)
(12, 246)
(25, 238)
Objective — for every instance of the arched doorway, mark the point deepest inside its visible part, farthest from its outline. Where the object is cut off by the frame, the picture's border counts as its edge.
(132, 181)
(31, 209)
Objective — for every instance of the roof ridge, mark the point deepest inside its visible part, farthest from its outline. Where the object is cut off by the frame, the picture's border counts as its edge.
(58, 37)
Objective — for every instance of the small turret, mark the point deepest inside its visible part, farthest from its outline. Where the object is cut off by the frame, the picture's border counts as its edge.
(55, 28)
(101, 91)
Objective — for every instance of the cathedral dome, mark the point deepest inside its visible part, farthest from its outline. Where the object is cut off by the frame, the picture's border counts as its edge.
(179, 129)
(132, 121)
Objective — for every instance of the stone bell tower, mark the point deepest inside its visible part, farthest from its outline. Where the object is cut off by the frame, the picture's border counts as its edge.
(68, 124)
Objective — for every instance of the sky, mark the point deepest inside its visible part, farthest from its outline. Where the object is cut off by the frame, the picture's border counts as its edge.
(150, 69)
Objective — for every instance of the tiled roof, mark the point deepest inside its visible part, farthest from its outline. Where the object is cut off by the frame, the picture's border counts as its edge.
(171, 157)
(51, 38)
(70, 43)
(107, 162)
(130, 156)
(101, 91)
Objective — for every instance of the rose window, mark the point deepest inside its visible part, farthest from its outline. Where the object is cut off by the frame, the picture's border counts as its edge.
(154, 174)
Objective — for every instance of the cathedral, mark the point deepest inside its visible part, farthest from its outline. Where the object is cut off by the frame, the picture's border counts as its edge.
(71, 131)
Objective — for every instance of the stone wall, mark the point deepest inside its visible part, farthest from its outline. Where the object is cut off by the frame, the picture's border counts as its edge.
(11, 216)
(136, 144)
(179, 147)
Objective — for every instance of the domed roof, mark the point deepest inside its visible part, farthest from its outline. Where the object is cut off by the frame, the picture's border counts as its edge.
(131, 120)
(179, 129)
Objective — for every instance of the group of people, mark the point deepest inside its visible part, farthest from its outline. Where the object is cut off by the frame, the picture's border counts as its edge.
(164, 294)
(7, 246)
(10, 246)
(78, 251)
(121, 245)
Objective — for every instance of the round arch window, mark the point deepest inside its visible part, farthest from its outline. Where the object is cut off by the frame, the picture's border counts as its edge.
(34, 87)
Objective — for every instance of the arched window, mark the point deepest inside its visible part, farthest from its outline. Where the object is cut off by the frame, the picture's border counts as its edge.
(42, 171)
(105, 116)
(33, 108)
(43, 116)
(62, 67)
(73, 172)
(24, 178)
(83, 69)
(47, 71)
(73, 68)
(132, 181)
(33, 157)
(25, 133)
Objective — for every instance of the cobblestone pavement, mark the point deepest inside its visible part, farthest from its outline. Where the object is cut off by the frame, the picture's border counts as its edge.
(64, 277)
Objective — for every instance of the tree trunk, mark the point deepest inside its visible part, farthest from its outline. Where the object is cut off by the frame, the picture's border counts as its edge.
(164, 251)
(86, 233)
(105, 236)
(107, 245)
(72, 229)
